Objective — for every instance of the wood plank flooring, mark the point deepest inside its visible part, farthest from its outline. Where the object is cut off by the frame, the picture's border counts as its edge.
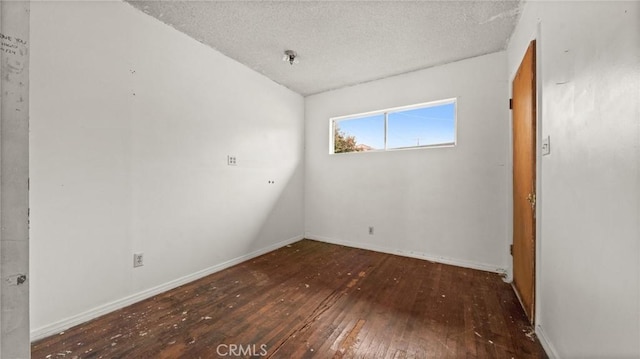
(315, 300)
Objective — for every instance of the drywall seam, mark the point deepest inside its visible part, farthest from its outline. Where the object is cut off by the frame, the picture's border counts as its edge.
(412, 254)
(69, 322)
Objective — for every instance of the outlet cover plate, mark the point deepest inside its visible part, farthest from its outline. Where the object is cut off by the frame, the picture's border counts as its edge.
(546, 146)
(138, 260)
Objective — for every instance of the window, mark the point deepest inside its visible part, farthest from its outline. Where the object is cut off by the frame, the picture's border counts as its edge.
(430, 124)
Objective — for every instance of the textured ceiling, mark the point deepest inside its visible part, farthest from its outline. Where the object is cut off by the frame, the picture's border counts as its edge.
(341, 43)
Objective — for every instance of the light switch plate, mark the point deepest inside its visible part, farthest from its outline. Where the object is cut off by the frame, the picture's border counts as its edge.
(546, 146)
(231, 160)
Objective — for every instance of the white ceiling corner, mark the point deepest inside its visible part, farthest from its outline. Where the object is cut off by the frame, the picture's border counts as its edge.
(341, 43)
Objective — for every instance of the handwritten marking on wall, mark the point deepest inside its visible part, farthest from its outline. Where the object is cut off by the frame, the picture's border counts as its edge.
(14, 52)
(12, 45)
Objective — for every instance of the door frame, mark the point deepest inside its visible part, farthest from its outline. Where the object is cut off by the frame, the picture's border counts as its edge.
(536, 35)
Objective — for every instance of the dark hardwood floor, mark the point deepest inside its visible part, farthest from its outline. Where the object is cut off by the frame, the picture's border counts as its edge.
(313, 299)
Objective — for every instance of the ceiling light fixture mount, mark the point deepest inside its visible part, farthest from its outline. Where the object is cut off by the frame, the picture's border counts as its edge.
(290, 56)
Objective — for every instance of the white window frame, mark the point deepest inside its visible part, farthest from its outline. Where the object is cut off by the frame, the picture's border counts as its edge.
(333, 121)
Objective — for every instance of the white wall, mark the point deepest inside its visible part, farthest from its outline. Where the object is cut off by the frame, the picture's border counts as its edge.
(447, 204)
(14, 178)
(589, 239)
(131, 123)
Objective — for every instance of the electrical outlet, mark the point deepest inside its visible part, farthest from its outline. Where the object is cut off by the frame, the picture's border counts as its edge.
(138, 260)
(546, 146)
(231, 160)
(371, 230)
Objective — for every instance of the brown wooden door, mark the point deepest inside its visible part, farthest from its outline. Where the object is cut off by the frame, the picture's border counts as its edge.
(524, 180)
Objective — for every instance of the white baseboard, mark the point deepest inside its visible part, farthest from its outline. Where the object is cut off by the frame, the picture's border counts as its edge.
(546, 344)
(57, 327)
(508, 276)
(412, 254)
